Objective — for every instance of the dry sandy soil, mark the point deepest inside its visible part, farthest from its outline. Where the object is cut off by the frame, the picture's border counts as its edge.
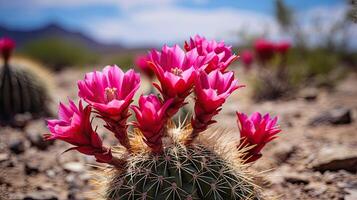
(305, 162)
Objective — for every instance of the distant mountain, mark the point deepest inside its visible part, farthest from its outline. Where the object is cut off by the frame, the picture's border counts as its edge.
(22, 37)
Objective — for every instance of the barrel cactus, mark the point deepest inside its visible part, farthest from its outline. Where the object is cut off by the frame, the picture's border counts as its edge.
(21, 88)
(160, 159)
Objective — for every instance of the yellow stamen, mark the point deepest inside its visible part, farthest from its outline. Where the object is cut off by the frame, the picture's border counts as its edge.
(177, 71)
(110, 94)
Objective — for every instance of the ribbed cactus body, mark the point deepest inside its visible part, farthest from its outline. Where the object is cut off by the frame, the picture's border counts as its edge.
(21, 91)
(181, 172)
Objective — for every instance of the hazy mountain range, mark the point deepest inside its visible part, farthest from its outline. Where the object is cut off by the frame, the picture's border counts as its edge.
(23, 37)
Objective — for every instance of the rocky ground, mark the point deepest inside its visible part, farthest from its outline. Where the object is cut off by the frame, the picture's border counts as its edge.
(315, 156)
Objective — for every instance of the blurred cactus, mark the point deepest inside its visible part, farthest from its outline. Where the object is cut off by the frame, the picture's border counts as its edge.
(21, 88)
(352, 13)
(283, 14)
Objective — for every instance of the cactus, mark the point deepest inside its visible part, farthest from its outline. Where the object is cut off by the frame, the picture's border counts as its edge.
(180, 172)
(160, 160)
(21, 89)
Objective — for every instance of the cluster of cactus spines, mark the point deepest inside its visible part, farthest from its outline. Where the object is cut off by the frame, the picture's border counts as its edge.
(21, 90)
(159, 159)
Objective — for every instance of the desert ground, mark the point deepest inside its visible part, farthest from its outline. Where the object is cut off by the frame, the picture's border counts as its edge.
(315, 156)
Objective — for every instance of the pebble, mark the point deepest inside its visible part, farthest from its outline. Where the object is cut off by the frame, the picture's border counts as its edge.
(41, 195)
(334, 116)
(75, 167)
(334, 158)
(32, 168)
(297, 179)
(17, 146)
(34, 131)
(4, 157)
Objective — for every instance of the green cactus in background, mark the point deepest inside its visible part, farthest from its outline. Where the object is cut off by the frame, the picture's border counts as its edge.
(21, 88)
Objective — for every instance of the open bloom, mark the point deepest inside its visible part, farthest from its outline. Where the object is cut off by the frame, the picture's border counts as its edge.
(211, 91)
(110, 92)
(150, 115)
(264, 49)
(247, 58)
(74, 127)
(256, 131)
(142, 62)
(282, 47)
(218, 54)
(175, 69)
(6, 47)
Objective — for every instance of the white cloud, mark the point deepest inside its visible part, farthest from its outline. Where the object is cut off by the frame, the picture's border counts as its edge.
(122, 4)
(322, 22)
(157, 21)
(172, 24)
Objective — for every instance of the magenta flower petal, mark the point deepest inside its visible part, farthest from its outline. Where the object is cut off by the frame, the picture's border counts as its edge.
(217, 54)
(104, 90)
(247, 58)
(264, 49)
(256, 131)
(282, 47)
(211, 92)
(175, 70)
(6, 47)
(150, 115)
(110, 93)
(142, 61)
(74, 127)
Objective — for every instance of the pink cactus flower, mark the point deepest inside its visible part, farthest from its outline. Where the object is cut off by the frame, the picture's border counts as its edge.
(110, 92)
(211, 91)
(264, 49)
(150, 115)
(247, 58)
(256, 131)
(282, 47)
(74, 127)
(175, 69)
(218, 54)
(142, 62)
(6, 47)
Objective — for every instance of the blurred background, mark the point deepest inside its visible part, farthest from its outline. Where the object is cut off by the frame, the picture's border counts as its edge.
(297, 58)
(83, 33)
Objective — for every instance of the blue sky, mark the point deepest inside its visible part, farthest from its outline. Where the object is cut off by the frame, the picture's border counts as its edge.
(135, 22)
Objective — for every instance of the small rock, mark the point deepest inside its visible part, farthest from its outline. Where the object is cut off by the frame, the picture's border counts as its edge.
(315, 188)
(17, 146)
(74, 167)
(4, 157)
(283, 151)
(335, 116)
(51, 173)
(352, 194)
(41, 195)
(32, 168)
(309, 94)
(297, 179)
(35, 131)
(85, 177)
(20, 120)
(335, 158)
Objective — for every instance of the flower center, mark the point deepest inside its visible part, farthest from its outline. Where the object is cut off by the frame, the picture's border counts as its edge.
(110, 94)
(177, 71)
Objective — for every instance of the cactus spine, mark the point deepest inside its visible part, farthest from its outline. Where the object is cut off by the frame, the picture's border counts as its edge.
(196, 171)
